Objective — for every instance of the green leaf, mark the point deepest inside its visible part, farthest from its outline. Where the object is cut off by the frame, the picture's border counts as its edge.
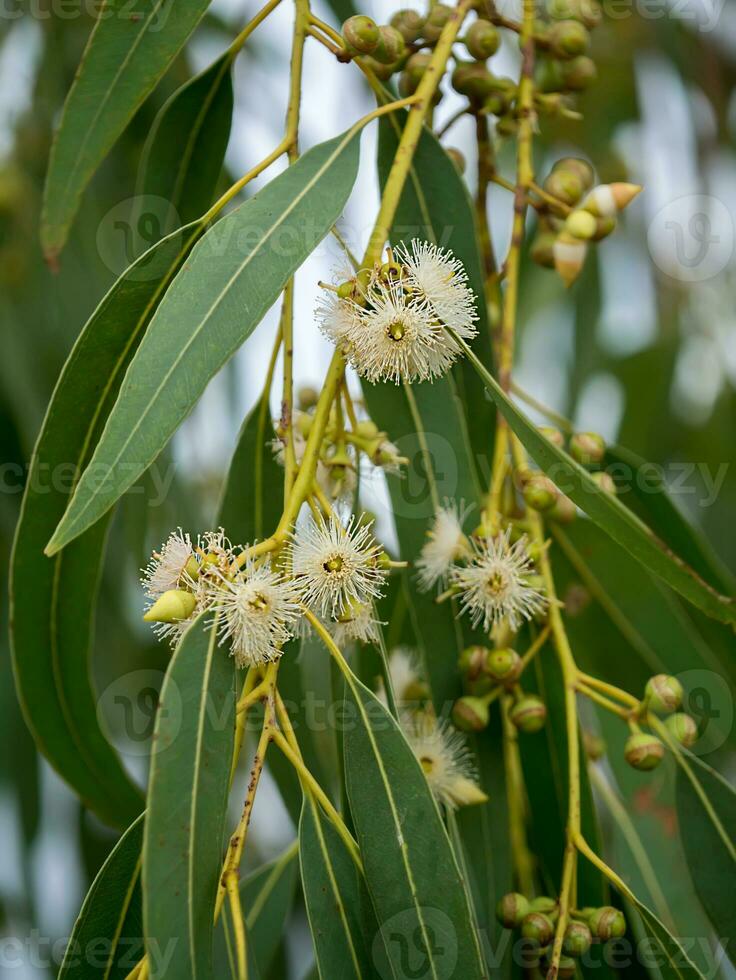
(107, 938)
(410, 868)
(131, 46)
(267, 896)
(334, 898)
(606, 510)
(232, 278)
(668, 957)
(53, 599)
(435, 206)
(187, 802)
(706, 806)
(252, 493)
(183, 155)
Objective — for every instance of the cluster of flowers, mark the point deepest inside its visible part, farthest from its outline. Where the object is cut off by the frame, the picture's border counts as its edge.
(334, 570)
(493, 576)
(390, 321)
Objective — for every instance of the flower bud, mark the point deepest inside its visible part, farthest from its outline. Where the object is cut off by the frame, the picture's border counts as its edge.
(552, 435)
(538, 928)
(511, 909)
(360, 34)
(606, 200)
(543, 249)
(529, 714)
(482, 39)
(416, 66)
(604, 227)
(472, 661)
(564, 510)
(644, 752)
(683, 728)
(586, 11)
(663, 693)
(577, 939)
(470, 714)
(465, 792)
(568, 38)
(545, 904)
(581, 225)
(607, 923)
(579, 166)
(507, 126)
(566, 968)
(409, 23)
(503, 665)
(565, 184)
(457, 158)
(437, 17)
(595, 747)
(367, 429)
(588, 448)
(604, 481)
(539, 492)
(172, 606)
(578, 73)
(473, 80)
(381, 71)
(307, 397)
(569, 255)
(390, 45)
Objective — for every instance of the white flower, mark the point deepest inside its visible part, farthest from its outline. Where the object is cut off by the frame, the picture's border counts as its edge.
(494, 584)
(168, 567)
(441, 278)
(357, 622)
(446, 544)
(444, 758)
(335, 565)
(405, 675)
(256, 610)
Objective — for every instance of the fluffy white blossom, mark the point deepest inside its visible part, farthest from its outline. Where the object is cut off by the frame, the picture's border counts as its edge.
(445, 544)
(334, 565)
(168, 566)
(441, 278)
(444, 758)
(357, 623)
(494, 584)
(256, 610)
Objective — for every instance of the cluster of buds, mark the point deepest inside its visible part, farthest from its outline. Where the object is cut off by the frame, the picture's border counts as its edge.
(485, 671)
(663, 696)
(564, 66)
(536, 920)
(590, 215)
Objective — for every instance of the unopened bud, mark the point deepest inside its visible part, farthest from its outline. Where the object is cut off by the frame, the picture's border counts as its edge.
(472, 661)
(566, 185)
(552, 435)
(473, 80)
(607, 923)
(578, 73)
(568, 38)
(529, 714)
(538, 928)
(307, 397)
(564, 510)
(566, 968)
(606, 200)
(172, 606)
(511, 909)
(663, 693)
(587, 11)
(470, 714)
(581, 225)
(579, 166)
(683, 728)
(482, 39)
(604, 481)
(588, 448)
(604, 227)
(464, 792)
(360, 34)
(409, 23)
(545, 904)
(539, 492)
(390, 47)
(644, 752)
(577, 939)
(595, 747)
(569, 255)
(543, 249)
(437, 17)
(503, 665)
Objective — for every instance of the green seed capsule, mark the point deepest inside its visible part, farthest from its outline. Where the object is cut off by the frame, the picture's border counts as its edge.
(564, 510)
(643, 752)
(607, 923)
(482, 40)
(683, 729)
(511, 910)
(565, 185)
(503, 665)
(529, 714)
(577, 939)
(470, 714)
(663, 693)
(390, 47)
(539, 492)
(581, 167)
(538, 928)
(588, 448)
(361, 34)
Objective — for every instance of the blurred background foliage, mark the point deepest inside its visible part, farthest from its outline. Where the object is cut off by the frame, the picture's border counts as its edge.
(647, 359)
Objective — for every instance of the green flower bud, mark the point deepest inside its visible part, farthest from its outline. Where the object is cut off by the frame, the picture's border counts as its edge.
(644, 752)
(512, 909)
(545, 904)
(581, 167)
(539, 492)
(663, 693)
(529, 714)
(482, 39)
(581, 224)
(437, 17)
(538, 928)
(604, 227)
(172, 606)
(307, 397)
(564, 510)
(577, 939)
(409, 23)
(470, 714)
(416, 66)
(457, 158)
(552, 435)
(587, 11)
(683, 728)
(503, 665)
(595, 747)
(360, 34)
(507, 126)
(568, 38)
(566, 185)
(390, 47)
(472, 661)
(381, 71)
(542, 249)
(578, 73)
(367, 429)
(607, 923)
(566, 968)
(604, 481)
(473, 80)
(588, 448)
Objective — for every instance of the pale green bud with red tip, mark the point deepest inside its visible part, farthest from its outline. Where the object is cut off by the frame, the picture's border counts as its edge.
(663, 693)
(588, 448)
(568, 39)
(409, 23)
(529, 714)
(470, 714)
(503, 665)
(482, 39)
(437, 17)
(643, 752)
(511, 910)
(577, 939)
(683, 728)
(361, 34)
(605, 481)
(539, 492)
(172, 606)
(538, 928)
(607, 923)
